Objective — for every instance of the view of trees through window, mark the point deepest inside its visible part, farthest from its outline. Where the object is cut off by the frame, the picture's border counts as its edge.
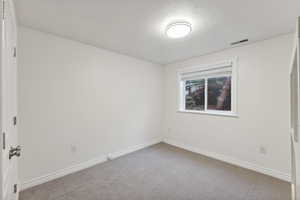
(218, 94)
(194, 98)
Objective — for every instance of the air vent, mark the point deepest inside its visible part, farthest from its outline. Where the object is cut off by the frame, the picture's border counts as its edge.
(239, 42)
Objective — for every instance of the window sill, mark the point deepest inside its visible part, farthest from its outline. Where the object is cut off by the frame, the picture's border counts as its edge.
(229, 114)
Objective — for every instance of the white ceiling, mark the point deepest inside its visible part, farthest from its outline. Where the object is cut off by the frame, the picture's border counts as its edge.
(136, 27)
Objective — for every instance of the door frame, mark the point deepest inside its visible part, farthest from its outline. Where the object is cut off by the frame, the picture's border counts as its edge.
(5, 6)
(295, 134)
(1, 106)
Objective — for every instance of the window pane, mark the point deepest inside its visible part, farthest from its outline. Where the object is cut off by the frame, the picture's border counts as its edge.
(194, 94)
(219, 93)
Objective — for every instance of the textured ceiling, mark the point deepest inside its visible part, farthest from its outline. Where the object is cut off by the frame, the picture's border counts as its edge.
(136, 27)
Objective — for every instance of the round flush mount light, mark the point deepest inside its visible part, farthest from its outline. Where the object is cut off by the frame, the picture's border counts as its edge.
(178, 29)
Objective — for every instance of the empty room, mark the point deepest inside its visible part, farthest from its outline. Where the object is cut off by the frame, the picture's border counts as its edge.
(150, 100)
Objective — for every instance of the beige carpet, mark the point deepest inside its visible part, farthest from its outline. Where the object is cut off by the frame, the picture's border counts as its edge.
(162, 172)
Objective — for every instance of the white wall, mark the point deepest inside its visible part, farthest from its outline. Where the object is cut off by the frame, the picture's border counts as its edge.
(263, 109)
(71, 94)
(74, 94)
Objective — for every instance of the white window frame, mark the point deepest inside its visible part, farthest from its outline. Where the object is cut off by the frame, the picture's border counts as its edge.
(207, 68)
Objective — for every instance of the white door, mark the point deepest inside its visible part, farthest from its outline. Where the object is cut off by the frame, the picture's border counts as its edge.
(295, 116)
(8, 103)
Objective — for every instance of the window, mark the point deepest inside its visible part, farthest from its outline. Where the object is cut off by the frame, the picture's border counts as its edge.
(194, 94)
(209, 90)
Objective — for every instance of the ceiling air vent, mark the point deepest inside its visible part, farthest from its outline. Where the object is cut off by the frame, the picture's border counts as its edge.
(239, 42)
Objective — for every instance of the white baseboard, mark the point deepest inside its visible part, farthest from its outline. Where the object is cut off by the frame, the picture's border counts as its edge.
(62, 172)
(234, 161)
(77, 167)
(117, 154)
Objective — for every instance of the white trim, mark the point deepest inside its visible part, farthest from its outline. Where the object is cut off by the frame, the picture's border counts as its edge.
(294, 54)
(84, 165)
(5, 190)
(210, 112)
(205, 74)
(206, 67)
(205, 96)
(62, 172)
(232, 160)
(295, 110)
(117, 154)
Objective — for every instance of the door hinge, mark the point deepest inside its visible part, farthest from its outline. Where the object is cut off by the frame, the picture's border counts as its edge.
(15, 188)
(15, 52)
(4, 140)
(15, 120)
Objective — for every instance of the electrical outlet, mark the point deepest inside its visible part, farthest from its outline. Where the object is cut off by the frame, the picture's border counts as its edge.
(73, 149)
(262, 150)
(110, 157)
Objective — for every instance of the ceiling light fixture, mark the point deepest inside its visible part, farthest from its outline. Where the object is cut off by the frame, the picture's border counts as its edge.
(178, 29)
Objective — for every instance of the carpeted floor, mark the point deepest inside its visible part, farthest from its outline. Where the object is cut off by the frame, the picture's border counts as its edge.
(162, 172)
